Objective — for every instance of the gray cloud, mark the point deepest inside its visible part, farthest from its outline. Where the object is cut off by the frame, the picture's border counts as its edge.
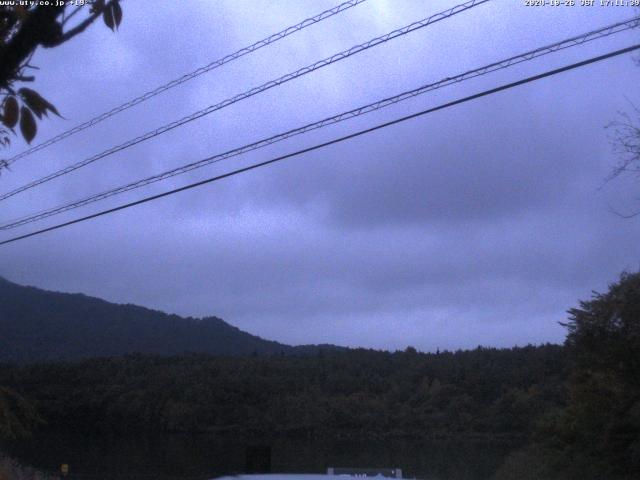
(480, 224)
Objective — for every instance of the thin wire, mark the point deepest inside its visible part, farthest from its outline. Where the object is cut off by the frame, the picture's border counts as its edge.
(502, 64)
(254, 91)
(191, 75)
(331, 142)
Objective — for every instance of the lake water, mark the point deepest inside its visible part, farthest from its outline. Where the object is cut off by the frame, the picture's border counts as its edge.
(207, 456)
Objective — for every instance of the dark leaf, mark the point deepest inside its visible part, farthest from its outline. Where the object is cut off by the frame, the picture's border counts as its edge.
(53, 109)
(34, 101)
(117, 12)
(28, 125)
(37, 103)
(11, 112)
(107, 16)
(50, 107)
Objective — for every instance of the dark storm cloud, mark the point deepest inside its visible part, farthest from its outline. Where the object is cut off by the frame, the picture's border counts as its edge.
(480, 224)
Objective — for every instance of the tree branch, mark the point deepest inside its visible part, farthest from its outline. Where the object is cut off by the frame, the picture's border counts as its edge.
(39, 28)
(71, 15)
(81, 27)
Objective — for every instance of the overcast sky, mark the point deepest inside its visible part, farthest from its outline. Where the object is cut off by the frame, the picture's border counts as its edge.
(479, 224)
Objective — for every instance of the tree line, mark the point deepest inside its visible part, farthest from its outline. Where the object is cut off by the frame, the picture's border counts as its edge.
(573, 411)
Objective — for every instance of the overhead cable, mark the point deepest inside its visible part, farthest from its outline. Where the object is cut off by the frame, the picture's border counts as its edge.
(331, 142)
(371, 107)
(254, 91)
(189, 76)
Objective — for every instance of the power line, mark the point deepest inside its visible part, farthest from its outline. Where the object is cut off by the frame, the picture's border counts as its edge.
(332, 142)
(502, 64)
(189, 76)
(254, 91)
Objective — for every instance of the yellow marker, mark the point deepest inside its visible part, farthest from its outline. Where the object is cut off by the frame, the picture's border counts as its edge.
(64, 469)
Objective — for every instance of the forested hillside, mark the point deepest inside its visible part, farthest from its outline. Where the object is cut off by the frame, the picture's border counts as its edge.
(572, 411)
(479, 392)
(38, 325)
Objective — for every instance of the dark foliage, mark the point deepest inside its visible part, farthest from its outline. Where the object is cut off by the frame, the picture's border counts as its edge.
(18, 416)
(598, 434)
(24, 27)
(350, 393)
(577, 406)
